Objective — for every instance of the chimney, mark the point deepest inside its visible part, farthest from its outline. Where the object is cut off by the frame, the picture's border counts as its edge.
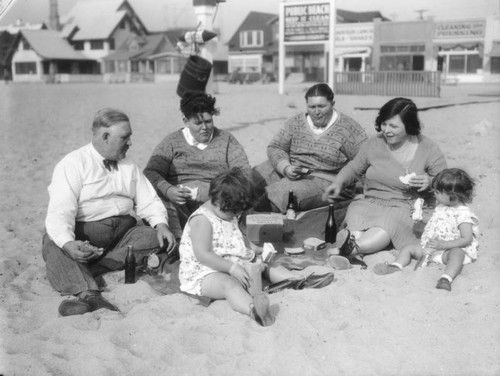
(54, 16)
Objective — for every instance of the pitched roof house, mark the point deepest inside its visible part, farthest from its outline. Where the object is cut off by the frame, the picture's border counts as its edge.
(41, 54)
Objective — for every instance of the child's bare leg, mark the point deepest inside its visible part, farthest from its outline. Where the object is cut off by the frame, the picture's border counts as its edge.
(223, 286)
(454, 261)
(403, 259)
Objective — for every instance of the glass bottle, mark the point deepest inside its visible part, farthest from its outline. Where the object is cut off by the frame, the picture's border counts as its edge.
(130, 265)
(330, 226)
(290, 208)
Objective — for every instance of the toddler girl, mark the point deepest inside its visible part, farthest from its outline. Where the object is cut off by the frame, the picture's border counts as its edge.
(215, 258)
(451, 235)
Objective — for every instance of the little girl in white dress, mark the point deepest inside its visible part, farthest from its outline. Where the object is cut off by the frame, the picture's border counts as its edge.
(451, 235)
(216, 261)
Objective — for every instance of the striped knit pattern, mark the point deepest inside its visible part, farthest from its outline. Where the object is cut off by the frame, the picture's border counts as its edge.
(175, 162)
(327, 152)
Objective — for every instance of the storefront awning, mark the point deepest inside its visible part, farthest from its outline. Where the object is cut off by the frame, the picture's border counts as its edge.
(353, 51)
(495, 50)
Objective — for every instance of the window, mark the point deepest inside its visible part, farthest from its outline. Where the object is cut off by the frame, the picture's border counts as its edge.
(252, 38)
(495, 65)
(462, 59)
(111, 42)
(78, 46)
(25, 68)
(25, 45)
(97, 44)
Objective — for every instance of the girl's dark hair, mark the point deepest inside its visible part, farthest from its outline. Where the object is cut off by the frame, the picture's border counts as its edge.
(320, 90)
(407, 111)
(194, 103)
(456, 183)
(232, 191)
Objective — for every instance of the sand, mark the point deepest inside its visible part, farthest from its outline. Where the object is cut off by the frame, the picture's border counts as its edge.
(362, 324)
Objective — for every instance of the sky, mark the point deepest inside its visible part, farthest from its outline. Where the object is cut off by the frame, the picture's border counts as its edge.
(165, 14)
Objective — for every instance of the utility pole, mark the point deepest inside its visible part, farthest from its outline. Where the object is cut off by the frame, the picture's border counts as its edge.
(421, 13)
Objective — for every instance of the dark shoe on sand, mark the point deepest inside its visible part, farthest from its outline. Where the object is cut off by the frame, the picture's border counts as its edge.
(443, 284)
(95, 300)
(384, 269)
(72, 307)
(346, 243)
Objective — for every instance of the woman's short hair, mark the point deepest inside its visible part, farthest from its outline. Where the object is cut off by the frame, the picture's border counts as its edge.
(194, 103)
(232, 191)
(456, 183)
(107, 117)
(407, 111)
(320, 90)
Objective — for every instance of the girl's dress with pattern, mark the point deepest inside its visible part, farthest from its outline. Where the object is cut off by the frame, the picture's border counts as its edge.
(227, 242)
(444, 223)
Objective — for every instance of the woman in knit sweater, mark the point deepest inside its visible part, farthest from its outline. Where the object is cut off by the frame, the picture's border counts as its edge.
(184, 162)
(399, 164)
(307, 153)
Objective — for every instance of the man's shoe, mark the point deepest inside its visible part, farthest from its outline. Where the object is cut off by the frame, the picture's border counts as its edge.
(73, 307)
(95, 301)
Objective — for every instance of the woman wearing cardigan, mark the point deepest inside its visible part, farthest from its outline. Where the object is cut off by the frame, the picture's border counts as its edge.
(398, 164)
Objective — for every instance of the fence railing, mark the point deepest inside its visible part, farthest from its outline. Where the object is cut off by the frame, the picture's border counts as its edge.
(388, 83)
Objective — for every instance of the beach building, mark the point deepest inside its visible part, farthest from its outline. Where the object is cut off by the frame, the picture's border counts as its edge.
(465, 50)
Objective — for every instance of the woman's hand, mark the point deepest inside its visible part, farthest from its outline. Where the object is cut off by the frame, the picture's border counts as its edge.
(178, 195)
(422, 182)
(332, 191)
(293, 172)
(239, 273)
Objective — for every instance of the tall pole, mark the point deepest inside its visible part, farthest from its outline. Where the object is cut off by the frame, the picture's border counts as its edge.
(281, 56)
(331, 44)
(205, 11)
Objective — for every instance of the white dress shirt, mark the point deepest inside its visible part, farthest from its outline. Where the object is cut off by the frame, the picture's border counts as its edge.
(82, 189)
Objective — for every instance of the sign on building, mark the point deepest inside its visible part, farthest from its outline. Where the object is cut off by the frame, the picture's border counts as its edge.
(459, 30)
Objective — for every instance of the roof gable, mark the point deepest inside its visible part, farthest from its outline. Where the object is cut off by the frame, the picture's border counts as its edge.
(253, 21)
(98, 19)
(50, 44)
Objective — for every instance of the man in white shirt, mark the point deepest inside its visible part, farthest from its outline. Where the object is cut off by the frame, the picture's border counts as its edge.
(94, 193)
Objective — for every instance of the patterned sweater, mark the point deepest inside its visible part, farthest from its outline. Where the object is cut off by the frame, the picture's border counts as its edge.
(324, 153)
(175, 162)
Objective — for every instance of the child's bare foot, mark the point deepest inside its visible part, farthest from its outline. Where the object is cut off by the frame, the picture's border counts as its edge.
(259, 310)
(383, 269)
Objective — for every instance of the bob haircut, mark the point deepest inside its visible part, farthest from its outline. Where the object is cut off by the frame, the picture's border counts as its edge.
(320, 90)
(195, 103)
(232, 191)
(107, 117)
(456, 183)
(406, 110)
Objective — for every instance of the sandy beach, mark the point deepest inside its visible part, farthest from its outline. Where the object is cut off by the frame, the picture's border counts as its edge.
(362, 324)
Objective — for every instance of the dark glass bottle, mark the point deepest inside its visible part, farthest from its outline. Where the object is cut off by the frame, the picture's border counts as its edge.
(290, 208)
(130, 265)
(330, 226)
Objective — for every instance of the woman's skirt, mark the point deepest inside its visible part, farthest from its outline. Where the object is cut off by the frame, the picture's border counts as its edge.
(393, 216)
